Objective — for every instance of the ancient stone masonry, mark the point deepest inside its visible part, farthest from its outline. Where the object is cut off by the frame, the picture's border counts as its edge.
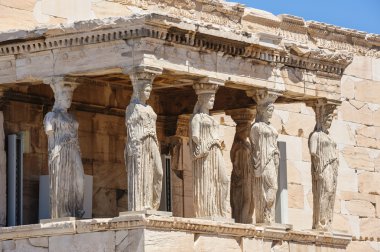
(208, 88)
(138, 233)
(264, 157)
(209, 172)
(142, 154)
(208, 11)
(242, 178)
(325, 163)
(65, 164)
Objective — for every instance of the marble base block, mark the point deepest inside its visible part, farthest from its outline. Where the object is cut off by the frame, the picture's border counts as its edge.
(63, 219)
(218, 219)
(146, 213)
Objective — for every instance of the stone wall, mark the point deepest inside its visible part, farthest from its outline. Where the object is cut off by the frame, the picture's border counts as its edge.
(357, 133)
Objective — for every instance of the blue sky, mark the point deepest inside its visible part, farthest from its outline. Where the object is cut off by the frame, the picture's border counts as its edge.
(363, 15)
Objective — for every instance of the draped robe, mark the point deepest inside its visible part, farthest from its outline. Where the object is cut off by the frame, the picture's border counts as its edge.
(265, 160)
(143, 159)
(209, 175)
(65, 165)
(324, 165)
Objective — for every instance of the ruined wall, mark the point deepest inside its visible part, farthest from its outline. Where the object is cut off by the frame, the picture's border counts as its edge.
(53, 12)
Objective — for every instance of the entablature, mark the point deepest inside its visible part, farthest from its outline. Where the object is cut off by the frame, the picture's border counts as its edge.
(112, 45)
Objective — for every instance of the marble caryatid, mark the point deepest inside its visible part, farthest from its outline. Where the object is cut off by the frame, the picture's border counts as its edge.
(265, 157)
(142, 154)
(209, 172)
(65, 164)
(324, 166)
(241, 191)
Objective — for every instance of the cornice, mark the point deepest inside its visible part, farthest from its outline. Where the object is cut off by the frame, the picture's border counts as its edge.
(315, 33)
(172, 30)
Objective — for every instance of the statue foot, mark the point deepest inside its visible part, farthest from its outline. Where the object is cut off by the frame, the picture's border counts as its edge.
(79, 214)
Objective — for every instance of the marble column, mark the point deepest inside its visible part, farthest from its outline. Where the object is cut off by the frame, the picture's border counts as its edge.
(3, 177)
(65, 164)
(324, 166)
(209, 171)
(142, 154)
(264, 156)
(181, 176)
(241, 191)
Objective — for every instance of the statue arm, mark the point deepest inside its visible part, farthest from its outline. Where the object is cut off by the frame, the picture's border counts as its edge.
(49, 129)
(195, 130)
(313, 144)
(199, 148)
(132, 137)
(48, 123)
(253, 137)
(313, 148)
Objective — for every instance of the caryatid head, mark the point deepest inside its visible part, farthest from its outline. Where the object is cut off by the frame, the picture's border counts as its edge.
(63, 89)
(265, 104)
(324, 115)
(206, 97)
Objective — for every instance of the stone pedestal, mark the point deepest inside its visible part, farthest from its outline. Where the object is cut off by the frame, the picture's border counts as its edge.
(63, 219)
(163, 233)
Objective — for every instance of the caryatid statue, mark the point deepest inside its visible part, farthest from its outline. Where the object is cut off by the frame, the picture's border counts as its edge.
(209, 171)
(241, 191)
(265, 157)
(65, 164)
(142, 154)
(324, 166)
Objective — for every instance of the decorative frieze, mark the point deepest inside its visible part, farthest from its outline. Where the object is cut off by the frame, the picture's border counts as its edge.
(175, 224)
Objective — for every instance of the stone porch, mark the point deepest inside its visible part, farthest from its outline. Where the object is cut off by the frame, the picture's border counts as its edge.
(99, 55)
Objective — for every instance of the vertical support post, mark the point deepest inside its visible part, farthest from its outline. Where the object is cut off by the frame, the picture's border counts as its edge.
(15, 180)
(181, 173)
(265, 156)
(241, 191)
(282, 192)
(142, 155)
(209, 172)
(65, 164)
(11, 206)
(324, 165)
(3, 175)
